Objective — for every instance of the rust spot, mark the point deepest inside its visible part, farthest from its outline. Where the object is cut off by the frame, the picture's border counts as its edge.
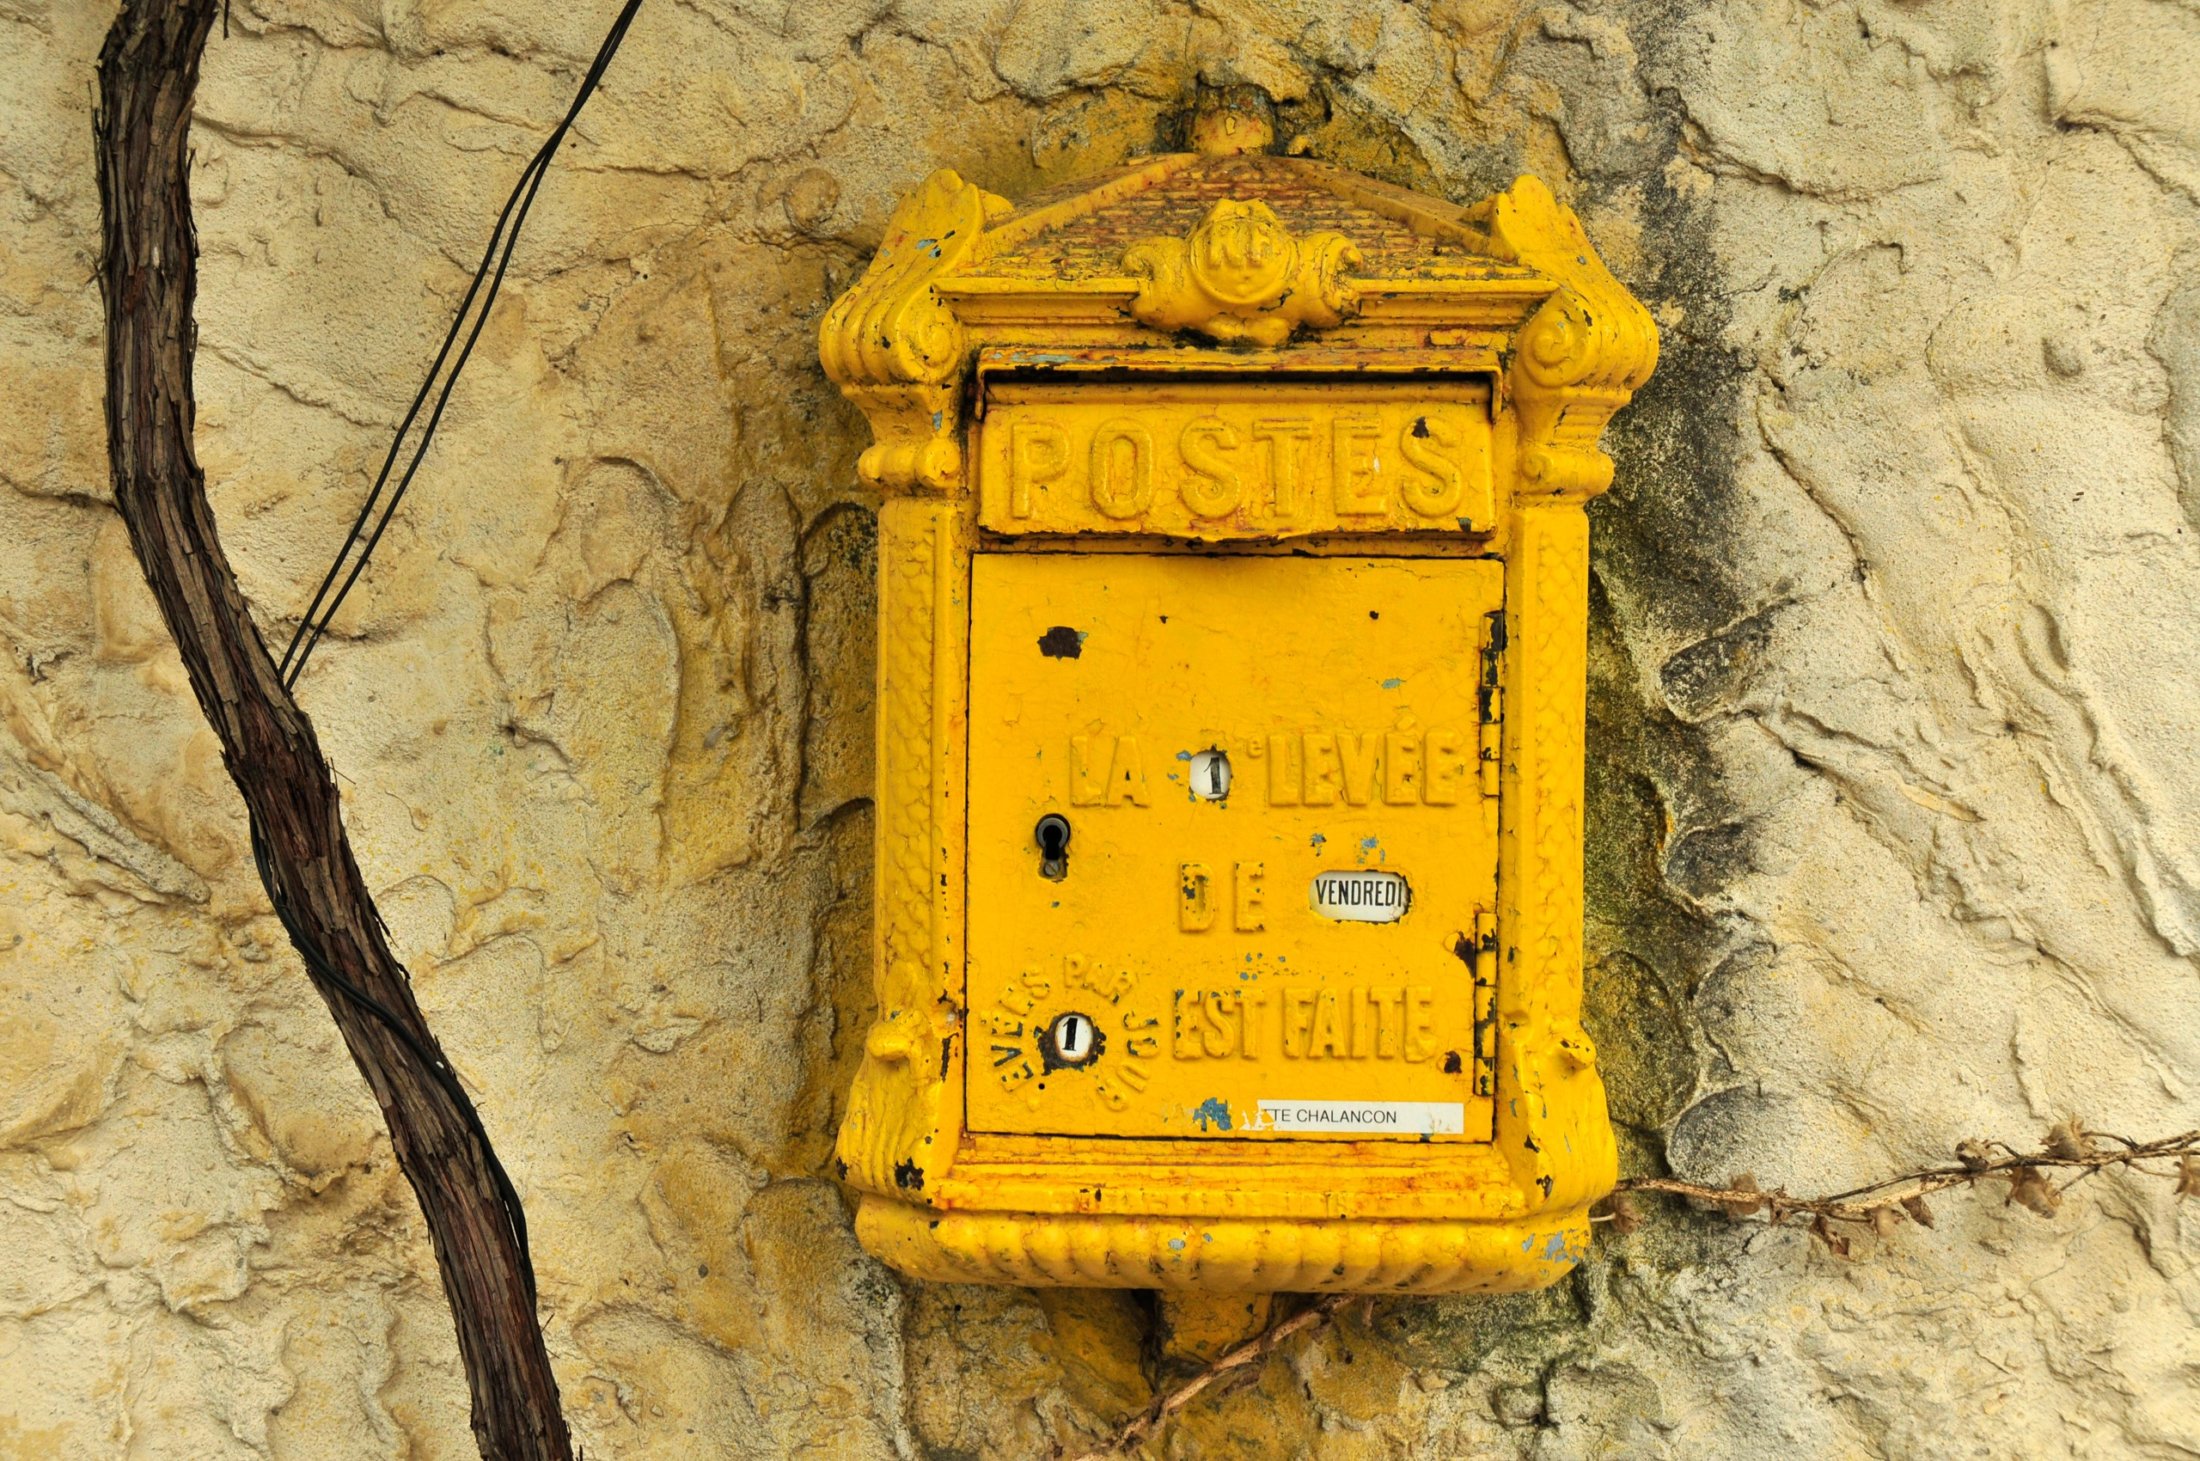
(1061, 642)
(1451, 1062)
(909, 1178)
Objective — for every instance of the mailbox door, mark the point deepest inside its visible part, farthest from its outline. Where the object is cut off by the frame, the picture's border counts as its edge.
(1230, 852)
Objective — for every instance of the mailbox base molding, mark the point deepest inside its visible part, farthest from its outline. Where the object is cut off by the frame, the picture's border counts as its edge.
(1225, 1255)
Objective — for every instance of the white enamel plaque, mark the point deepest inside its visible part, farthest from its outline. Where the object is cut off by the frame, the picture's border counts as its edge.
(1366, 1118)
(1361, 895)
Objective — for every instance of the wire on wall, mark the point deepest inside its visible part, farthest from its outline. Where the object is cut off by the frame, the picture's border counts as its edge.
(361, 541)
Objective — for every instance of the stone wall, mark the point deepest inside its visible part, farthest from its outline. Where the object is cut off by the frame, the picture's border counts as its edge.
(1895, 828)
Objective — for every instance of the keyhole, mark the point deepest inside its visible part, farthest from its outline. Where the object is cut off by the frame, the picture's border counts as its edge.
(1053, 836)
(1073, 1039)
(1210, 775)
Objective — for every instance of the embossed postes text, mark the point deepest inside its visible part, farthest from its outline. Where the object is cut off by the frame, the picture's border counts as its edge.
(1228, 461)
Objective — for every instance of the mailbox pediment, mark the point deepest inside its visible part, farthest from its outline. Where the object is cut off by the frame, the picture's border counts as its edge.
(1246, 262)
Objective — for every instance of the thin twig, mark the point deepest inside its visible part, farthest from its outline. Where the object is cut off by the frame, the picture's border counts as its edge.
(1254, 1350)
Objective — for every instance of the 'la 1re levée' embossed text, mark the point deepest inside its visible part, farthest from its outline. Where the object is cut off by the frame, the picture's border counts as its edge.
(1408, 767)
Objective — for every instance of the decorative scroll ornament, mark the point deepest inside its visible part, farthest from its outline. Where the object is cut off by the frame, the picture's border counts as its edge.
(895, 348)
(1240, 275)
(1582, 356)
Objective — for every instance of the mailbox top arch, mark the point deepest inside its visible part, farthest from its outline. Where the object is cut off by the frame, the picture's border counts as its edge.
(1233, 260)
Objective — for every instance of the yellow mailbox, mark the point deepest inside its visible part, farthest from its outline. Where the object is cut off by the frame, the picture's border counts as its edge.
(1232, 585)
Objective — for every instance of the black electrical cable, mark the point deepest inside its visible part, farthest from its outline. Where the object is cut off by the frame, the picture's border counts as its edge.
(322, 611)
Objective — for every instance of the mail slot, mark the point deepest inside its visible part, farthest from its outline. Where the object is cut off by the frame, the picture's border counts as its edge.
(1233, 575)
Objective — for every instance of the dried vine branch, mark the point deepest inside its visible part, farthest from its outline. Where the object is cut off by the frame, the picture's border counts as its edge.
(148, 72)
(1884, 1205)
(1253, 1351)
(1880, 1206)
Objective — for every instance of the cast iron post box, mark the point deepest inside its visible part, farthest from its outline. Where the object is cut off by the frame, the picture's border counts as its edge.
(1232, 585)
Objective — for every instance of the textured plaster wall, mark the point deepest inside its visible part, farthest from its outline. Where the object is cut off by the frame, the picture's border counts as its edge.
(1895, 812)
